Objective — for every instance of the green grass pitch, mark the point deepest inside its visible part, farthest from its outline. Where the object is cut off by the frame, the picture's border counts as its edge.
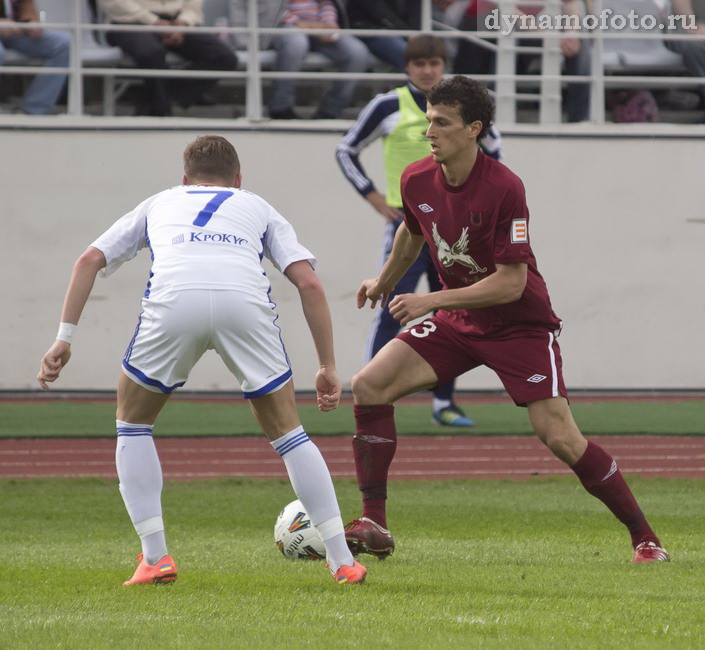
(479, 564)
(183, 418)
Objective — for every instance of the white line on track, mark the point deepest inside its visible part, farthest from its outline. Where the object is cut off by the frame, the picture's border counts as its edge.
(400, 458)
(405, 449)
(439, 457)
(393, 475)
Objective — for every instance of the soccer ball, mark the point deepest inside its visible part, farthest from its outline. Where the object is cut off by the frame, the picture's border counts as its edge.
(296, 538)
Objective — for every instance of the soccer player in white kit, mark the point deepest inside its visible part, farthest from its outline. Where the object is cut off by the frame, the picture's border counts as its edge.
(208, 290)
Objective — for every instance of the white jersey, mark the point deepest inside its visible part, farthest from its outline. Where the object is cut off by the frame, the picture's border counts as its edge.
(204, 237)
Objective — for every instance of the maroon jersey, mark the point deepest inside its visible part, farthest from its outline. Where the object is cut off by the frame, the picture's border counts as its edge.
(470, 229)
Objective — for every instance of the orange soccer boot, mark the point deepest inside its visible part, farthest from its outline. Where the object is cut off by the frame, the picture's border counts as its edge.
(354, 575)
(162, 573)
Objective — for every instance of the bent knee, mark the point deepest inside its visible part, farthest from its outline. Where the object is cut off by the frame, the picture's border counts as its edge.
(365, 390)
(566, 443)
(360, 386)
(292, 45)
(554, 439)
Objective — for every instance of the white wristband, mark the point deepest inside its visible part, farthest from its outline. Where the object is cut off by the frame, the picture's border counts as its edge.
(65, 332)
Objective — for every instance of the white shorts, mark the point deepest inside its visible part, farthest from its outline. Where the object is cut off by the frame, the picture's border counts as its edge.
(175, 330)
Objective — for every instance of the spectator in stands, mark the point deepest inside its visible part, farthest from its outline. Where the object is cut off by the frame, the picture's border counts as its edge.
(149, 49)
(446, 14)
(348, 52)
(269, 14)
(472, 58)
(385, 14)
(49, 46)
(693, 52)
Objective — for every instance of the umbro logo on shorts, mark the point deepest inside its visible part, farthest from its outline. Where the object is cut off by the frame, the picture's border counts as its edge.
(536, 379)
(425, 207)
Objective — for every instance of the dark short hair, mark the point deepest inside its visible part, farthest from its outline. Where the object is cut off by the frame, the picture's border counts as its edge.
(425, 46)
(211, 157)
(471, 98)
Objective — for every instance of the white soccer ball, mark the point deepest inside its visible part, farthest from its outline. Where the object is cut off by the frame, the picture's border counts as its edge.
(296, 538)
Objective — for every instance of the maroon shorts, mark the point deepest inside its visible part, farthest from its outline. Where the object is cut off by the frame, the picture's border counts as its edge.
(528, 363)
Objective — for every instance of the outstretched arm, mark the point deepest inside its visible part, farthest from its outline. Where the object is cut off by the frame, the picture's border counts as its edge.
(405, 250)
(82, 278)
(317, 313)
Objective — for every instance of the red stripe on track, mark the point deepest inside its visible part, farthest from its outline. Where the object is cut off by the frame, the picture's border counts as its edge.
(439, 457)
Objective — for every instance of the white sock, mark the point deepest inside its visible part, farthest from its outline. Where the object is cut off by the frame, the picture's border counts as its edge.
(333, 535)
(312, 483)
(140, 474)
(439, 404)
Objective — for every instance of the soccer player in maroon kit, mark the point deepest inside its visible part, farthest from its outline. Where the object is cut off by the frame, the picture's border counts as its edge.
(494, 310)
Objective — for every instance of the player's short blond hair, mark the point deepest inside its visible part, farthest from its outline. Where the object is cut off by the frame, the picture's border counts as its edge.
(211, 157)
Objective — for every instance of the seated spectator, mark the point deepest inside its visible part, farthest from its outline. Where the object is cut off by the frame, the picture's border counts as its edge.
(348, 52)
(49, 46)
(634, 104)
(441, 5)
(149, 49)
(448, 13)
(385, 14)
(269, 14)
(693, 53)
(472, 58)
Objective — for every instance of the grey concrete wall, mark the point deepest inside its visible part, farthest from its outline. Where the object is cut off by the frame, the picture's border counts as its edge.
(617, 226)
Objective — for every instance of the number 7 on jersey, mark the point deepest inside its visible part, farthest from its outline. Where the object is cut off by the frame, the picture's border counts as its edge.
(204, 216)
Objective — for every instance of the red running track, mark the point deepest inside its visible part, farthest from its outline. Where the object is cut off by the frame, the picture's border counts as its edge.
(439, 457)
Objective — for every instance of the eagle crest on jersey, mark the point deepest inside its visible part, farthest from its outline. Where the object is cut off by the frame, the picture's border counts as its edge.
(448, 255)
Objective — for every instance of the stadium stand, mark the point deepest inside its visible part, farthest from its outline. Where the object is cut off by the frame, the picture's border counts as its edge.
(93, 52)
(637, 56)
(96, 53)
(233, 13)
(108, 69)
(647, 57)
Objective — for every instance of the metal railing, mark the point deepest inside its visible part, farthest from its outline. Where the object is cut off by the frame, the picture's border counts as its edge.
(505, 82)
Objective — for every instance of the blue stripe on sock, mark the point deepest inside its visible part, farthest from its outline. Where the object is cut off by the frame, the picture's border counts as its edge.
(292, 443)
(134, 431)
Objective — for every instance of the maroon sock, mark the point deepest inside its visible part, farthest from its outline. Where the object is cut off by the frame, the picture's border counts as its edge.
(374, 445)
(598, 473)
